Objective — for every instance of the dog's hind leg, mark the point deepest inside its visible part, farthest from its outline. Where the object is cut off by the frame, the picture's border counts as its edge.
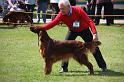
(82, 59)
(48, 66)
(90, 67)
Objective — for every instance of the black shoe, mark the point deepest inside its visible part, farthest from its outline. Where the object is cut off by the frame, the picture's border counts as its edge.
(104, 69)
(63, 70)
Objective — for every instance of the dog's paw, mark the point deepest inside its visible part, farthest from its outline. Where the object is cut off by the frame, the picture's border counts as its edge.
(47, 72)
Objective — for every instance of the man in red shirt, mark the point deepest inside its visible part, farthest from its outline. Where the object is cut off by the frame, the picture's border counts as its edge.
(79, 24)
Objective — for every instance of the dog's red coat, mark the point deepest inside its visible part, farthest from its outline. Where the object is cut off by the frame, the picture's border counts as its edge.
(55, 50)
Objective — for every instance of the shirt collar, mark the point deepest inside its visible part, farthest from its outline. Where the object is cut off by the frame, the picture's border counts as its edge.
(70, 12)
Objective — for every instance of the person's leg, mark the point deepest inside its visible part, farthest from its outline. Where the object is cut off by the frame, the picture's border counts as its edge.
(99, 58)
(112, 13)
(89, 10)
(38, 11)
(98, 13)
(108, 11)
(112, 18)
(93, 8)
(30, 9)
(87, 37)
(70, 36)
(44, 5)
(53, 11)
(56, 8)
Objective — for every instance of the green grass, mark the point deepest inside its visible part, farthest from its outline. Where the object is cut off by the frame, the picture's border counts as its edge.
(20, 60)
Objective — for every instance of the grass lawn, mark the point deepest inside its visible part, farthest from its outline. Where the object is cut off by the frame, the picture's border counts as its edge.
(20, 60)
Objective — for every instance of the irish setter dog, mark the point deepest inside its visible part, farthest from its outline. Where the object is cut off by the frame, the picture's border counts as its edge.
(55, 50)
(17, 17)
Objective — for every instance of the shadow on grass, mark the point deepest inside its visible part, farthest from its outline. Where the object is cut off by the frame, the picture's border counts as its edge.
(96, 73)
(109, 73)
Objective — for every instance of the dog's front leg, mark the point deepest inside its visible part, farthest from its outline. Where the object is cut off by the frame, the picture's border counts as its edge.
(48, 66)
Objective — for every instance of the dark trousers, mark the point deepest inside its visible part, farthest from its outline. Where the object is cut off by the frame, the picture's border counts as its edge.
(107, 11)
(112, 13)
(55, 10)
(91, 10)
(30, 9)
(42, 6)
(87, 36)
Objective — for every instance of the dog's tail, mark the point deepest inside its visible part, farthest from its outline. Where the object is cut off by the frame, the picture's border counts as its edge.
(91, 46)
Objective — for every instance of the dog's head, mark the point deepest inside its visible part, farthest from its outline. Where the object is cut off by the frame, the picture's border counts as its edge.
(42, 34)
(35, 29)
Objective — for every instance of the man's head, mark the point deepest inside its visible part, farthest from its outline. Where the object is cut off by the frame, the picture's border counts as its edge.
(64, 6)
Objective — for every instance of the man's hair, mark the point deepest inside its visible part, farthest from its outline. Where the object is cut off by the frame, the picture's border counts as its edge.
(64, 2)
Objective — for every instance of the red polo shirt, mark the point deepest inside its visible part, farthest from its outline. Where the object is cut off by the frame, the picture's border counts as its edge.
(77, 15)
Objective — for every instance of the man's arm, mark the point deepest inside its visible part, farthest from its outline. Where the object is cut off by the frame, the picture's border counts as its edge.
(36, 29)
(89, 21)
(53, 22)
(91, 24)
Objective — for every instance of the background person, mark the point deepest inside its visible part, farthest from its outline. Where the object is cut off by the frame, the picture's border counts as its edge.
(41, 6)
(112, 13)
(11, 4)
(30, 5)
(55, 8)
(107, 4)
(91, 7)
